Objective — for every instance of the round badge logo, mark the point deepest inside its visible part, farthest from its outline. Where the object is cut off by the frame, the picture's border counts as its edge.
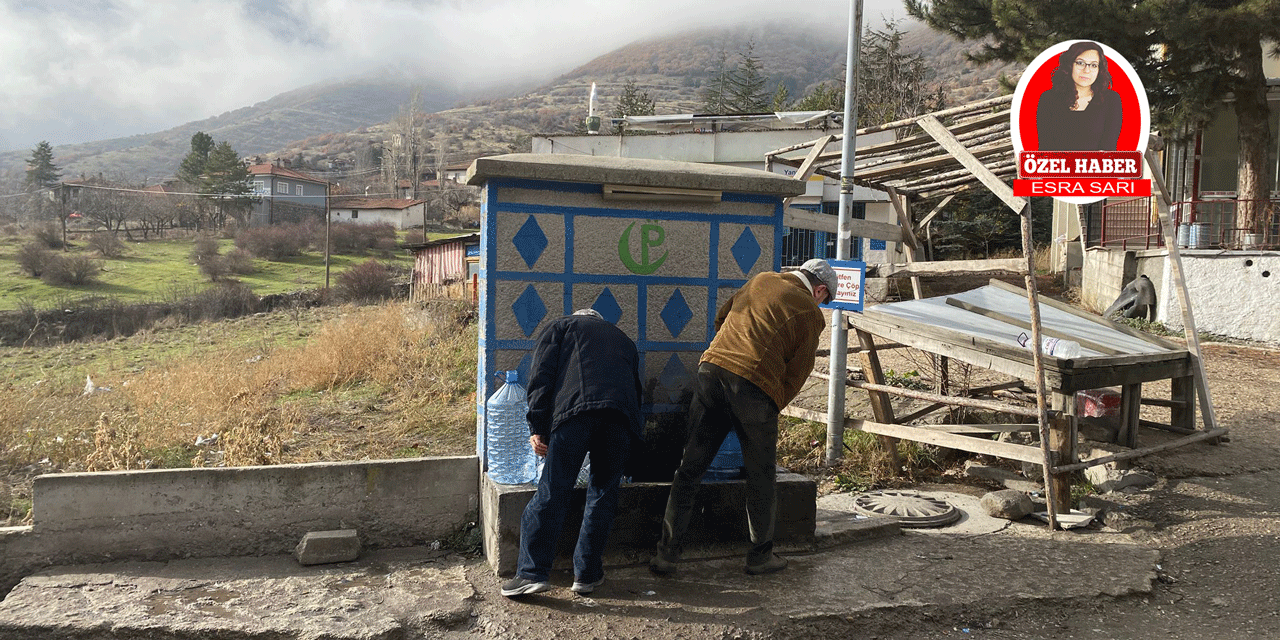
(1082, 98)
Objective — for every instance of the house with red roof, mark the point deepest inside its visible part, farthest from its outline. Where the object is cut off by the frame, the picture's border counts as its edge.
(398, 212)
(285, 195)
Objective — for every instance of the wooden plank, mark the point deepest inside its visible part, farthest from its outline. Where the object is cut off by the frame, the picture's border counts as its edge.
(1138, 453)
(1128, 374)
(806, 167)
(972, 163)
(979, 428)
(937, 209)
(801, 219)
(1184, 297)
(881, 407)
(907, 171)
(1183, 391)
(920, 413)
(1005, 450)
(958, 401)
(1130, 415)
(1158, 402)
(1018, 322)
(1012, 384)
(946, 268)
(1151, 424)
(911, 246)
(1066, 308)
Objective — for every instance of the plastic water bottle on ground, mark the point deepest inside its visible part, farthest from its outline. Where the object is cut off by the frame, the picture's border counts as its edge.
(510, 457)
(1053, 347)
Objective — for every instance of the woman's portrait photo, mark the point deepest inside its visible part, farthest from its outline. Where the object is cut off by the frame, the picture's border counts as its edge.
(1080, 95)
(1080, 112)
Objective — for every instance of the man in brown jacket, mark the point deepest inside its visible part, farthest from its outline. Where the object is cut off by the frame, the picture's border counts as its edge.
(763, 351)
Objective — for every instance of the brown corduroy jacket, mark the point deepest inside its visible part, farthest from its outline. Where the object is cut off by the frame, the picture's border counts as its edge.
(767, 333)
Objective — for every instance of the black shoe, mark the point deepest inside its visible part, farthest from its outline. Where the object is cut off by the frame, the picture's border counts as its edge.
(518, 586)
(772, 564)
(583, 588)
(661, 565)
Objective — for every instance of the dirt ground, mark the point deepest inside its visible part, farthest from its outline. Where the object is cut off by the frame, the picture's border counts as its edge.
(1213, 516)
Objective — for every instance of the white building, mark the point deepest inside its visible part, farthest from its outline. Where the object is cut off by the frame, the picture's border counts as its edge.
(398, 212)
(742, 141)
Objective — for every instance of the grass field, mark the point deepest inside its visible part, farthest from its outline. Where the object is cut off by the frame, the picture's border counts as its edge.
(153, 269)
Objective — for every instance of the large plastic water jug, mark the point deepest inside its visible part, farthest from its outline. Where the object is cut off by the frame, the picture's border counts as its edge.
(508, 453)
(727, 464)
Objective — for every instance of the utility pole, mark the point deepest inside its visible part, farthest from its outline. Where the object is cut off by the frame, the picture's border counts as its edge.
(327, 217)
(839, 334)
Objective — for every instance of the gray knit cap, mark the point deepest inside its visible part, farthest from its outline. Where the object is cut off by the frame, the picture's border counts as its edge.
(823, 272)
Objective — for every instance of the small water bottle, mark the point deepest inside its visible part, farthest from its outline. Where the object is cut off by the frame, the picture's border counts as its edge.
(584, 474)
(510, 456)
(1053, 347)
(727, 465)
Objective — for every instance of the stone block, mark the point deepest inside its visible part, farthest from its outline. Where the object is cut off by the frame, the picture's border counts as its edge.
(327, 547)
(1007, 503)
(719, 517)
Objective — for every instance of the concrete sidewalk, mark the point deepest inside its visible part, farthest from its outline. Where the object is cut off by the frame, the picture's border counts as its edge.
(410, 593)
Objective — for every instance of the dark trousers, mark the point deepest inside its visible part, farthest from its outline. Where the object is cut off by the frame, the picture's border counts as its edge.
(606, 435)
(724, 401)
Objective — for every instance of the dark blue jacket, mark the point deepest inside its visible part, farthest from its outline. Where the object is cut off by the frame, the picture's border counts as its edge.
(582, 363)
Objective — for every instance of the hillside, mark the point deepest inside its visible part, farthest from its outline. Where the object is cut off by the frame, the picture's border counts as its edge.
(338, 106)
(345, 120)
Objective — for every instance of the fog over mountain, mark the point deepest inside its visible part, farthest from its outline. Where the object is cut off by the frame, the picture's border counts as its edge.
(89, 70)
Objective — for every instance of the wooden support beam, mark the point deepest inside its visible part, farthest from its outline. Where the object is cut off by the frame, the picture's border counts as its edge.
(801, 219)
(937, 209)
(958, 401)
(806, 167)
(1006, 450)
(972, 163)
(910, 246)
(1130, 415)
(1184, 297)
(881, 407)
(947, 268)
(1138, 453)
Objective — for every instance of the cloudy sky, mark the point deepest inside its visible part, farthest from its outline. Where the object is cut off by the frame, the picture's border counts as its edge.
(82, 70)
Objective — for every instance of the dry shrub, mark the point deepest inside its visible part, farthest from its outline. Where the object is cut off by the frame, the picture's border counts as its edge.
(240, 262)
(49, 235)
(369, 281)
(106, 244)
(33, 257)
(379, 382)
(273, 243)
(75, 269)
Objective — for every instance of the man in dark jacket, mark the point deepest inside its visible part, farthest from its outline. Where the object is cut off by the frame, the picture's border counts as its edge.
(584, 396)
(763, 352)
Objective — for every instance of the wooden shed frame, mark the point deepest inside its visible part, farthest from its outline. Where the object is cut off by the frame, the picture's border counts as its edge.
(929, 159)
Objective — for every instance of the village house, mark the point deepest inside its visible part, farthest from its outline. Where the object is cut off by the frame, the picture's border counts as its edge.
(285, 195)
(398, 212)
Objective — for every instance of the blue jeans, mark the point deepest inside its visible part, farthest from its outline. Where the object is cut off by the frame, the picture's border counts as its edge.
(606, 434)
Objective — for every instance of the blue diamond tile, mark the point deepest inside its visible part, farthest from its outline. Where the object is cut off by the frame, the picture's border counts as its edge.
(676, 314)
(530, 241)
(746, 250)
(607, 305)
(529, 310)
(673, 377)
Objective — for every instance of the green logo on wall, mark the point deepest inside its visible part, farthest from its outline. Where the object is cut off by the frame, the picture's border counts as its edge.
(651, 237)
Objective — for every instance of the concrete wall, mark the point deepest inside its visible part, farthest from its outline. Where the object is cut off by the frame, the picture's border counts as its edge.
(1233, 293)
(176, 513)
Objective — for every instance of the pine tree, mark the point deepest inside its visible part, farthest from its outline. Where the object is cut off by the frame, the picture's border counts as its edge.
(891, 82)
(1188, 54)
(632, 102)
(715, 95)
(780, 98)
(746, 84)
(226, 181)
(193, 165)
(42, 173)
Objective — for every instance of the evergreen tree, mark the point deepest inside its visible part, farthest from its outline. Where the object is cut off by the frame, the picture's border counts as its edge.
(715, 95)
(633, 102)
(746, 84)
(1188, 54)
(780, 98)
(193, 165)
(226, 181)
(824, 97)
(42, 173)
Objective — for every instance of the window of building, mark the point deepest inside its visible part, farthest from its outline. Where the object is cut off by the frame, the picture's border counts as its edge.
(298, 190)
(355, 214)
(259, 187)
(282, 187)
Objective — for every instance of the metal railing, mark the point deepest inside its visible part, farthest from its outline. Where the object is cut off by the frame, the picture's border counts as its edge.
(1209, 224)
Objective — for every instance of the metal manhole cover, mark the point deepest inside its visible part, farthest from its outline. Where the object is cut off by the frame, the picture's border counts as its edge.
(910, 508)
